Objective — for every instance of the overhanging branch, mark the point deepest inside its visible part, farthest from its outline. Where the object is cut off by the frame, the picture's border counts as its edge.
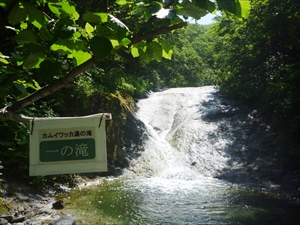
(157, 32)
(52, 87)
(10, 115)
(9, 111)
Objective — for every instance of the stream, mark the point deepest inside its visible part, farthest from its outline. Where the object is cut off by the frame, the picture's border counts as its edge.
(202, 159)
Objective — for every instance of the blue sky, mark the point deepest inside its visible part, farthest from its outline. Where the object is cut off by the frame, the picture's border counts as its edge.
(208, 19)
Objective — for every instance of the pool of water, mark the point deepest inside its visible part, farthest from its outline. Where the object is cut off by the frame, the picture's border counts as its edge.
(173, 201)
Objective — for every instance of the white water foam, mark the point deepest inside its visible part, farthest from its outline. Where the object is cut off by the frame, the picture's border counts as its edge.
(179, 144)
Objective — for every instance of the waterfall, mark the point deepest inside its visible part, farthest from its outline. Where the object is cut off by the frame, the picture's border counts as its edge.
(181, 141)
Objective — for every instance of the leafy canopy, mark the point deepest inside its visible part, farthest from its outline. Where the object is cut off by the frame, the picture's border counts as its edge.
(45, 44)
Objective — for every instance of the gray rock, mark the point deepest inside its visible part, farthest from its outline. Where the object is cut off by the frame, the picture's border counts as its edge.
(3, 221)
(65, 220)
(18, 219)
(8, 218)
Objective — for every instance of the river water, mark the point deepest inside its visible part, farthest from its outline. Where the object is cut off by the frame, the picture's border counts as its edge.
(196, 167)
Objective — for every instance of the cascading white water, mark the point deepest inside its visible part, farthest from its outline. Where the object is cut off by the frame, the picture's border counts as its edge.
(180, 143)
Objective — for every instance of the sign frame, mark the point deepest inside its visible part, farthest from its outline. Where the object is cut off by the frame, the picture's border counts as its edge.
(42, 130)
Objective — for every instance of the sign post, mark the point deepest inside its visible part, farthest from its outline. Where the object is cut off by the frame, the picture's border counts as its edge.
(68, 145)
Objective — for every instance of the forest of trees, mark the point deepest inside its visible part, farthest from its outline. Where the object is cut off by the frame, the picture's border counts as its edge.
(254, 59)
(258, 61)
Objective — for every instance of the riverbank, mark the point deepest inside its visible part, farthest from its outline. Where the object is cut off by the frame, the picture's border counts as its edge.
(21, 205)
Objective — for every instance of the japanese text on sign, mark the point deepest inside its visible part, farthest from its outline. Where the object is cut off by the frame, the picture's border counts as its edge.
(61, 134)
(66, 133)
(63, 150)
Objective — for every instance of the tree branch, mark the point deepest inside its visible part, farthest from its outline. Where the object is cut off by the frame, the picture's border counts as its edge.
(9, 111)
(10, 115)
(52, 87)
(157, 32)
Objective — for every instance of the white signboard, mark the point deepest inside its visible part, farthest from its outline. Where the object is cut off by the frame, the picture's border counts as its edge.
(68, 145)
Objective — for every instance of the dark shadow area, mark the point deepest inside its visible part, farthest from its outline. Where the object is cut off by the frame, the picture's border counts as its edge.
(252, 146)
(134, 137)
(262, 208)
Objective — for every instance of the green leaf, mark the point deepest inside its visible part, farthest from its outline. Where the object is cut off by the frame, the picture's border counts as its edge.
(20, 87)
(47, 36)
(30, 48)
(240, 8)
(63, 9)
(135, 52)
(4, 3)
(125, 41)
(55, 8)
(17, 14)
(67, 46)
(118, 22)
(122, 2)
(76, 35)
(167, 50)
(228, 5)
(100, 29)
(64, 32)
(148, 51)
(34, 60)
(115, 43)
(206, 5)
(36, 17)
(89, 28)
(25, 36)
(191, 10)
(23, 26)
(200, 3)
(210, 6)
(60, 46)
(3, 58)
(245, 8)
(154, 50)
(36, 85)
(144, 56)
(168, 3)
(81, 57)
(101, 47)
(118, 28)
(95, 17)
